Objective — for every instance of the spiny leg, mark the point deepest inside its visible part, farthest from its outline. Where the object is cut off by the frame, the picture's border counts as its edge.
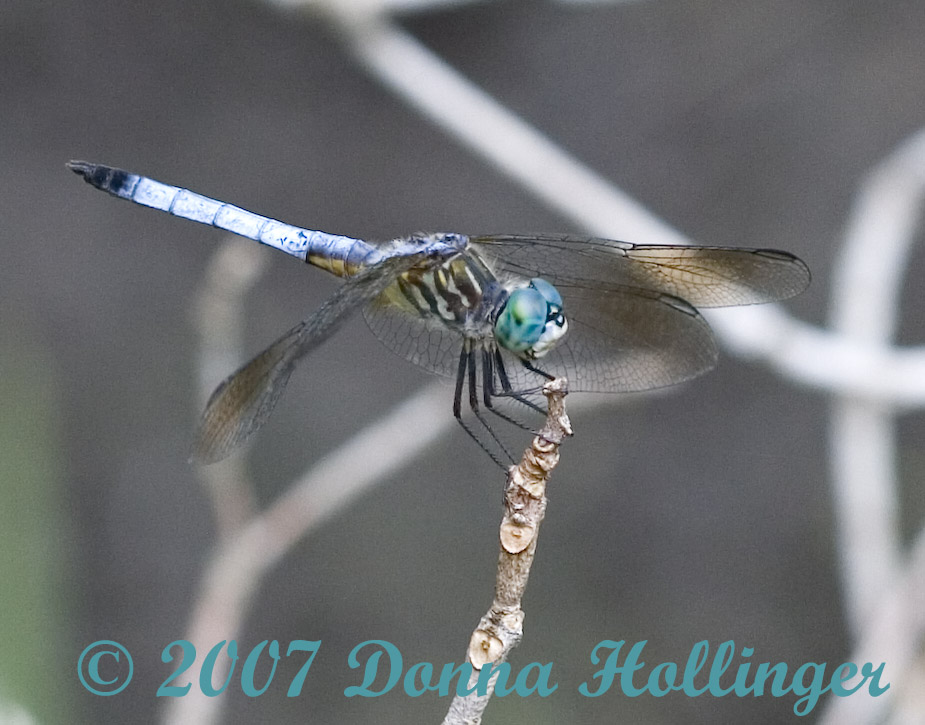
(464, 364)
(474, 399)
(508, 390)
(534, 369)
(489, 391)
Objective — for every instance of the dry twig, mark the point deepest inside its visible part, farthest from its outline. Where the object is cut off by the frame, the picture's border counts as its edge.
(501, 629)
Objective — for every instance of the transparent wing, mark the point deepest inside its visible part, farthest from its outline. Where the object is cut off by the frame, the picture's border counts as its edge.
(422, 340)
(630, 308)
(621, 339)
(244, 401)
(704, 276)
(624, 339)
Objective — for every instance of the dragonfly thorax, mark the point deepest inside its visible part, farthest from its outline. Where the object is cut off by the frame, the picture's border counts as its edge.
(464, 294)
(460, 292)
(531, 322)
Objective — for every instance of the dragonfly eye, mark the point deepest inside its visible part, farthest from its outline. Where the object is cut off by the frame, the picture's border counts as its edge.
(531, 322)
(550, 293)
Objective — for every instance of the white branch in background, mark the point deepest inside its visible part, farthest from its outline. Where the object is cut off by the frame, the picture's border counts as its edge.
(384, 7)
(219, 319)
(899, 647)
(596, 2)
(249, 543)
(237, 566)
(366, 8)
(865, 300)
(233, 270)
(807, 354)
(11, 713)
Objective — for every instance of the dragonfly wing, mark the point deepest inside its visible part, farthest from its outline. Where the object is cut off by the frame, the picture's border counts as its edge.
(244, 401)
(423, 340)
(704, 276)
(720, 276)
(626, 339)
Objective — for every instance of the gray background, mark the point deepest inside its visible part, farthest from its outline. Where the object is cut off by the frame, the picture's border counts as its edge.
(703, 514)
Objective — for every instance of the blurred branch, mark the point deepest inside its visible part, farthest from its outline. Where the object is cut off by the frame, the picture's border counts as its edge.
(11, 713)
(232, 271)
(892, 635)
(235, 569)
(805, 353)
(501, 629)
(909, 703)
(884, 604)
(865, 303)
(249, 543)
(368, 7)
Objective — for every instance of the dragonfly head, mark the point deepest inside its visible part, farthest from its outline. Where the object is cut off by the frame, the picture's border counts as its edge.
(531, 322)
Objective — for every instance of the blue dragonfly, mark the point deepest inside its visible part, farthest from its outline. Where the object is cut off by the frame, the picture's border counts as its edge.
(501, 313)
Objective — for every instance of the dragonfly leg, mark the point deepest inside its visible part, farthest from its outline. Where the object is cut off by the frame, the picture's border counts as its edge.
(533, 369)
(474, 400)
(489, 391)
(506, 387)
(466, 371)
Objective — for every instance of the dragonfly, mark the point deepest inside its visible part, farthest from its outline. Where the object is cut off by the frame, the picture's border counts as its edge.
(500, 313)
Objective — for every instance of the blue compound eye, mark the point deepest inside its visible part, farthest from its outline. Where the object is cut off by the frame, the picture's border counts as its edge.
(550, 293)
(521, 322)
(532, 322)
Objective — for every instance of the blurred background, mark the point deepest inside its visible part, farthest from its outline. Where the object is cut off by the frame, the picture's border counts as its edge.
(704, 513)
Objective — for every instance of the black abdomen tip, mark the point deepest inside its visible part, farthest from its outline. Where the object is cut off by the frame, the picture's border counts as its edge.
(102, 177)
